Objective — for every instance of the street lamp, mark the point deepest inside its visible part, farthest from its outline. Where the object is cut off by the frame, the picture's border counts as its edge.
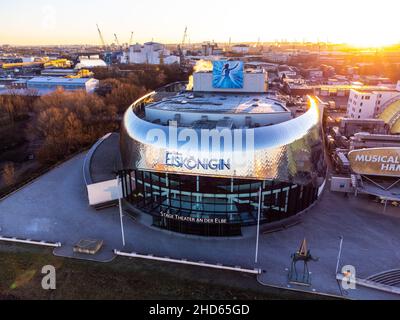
(339, 255)
(258, 224)
(119, 186)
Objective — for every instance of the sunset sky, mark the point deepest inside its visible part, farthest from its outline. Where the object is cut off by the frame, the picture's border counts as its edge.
(357, 22)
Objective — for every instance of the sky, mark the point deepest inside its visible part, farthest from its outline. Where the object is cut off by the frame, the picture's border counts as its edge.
(43, 22)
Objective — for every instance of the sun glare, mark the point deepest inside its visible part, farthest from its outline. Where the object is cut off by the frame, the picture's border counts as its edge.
(365, 42)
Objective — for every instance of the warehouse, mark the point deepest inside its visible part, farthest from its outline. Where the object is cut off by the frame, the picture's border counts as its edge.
(44, 85)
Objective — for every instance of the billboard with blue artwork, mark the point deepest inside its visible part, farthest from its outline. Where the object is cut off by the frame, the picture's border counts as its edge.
(228, 74)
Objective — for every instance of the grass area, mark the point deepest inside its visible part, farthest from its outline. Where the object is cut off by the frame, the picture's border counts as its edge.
(123, 279)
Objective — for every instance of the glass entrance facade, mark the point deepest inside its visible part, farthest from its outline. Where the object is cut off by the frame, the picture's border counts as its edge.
(210, 206)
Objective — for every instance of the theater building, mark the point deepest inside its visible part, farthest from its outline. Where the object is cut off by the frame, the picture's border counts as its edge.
(374, 167)
(211, 160)
(376, 172)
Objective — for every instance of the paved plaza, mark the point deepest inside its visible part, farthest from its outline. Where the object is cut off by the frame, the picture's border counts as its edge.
(55, 208)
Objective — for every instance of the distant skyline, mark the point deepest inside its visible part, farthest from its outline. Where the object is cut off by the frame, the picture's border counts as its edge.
(44, 22)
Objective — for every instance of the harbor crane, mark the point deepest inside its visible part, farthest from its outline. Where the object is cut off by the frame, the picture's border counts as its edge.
(180, 47)
(116, 40)
(131, 39)
(185, 35)
(44, 62)
(101, 37)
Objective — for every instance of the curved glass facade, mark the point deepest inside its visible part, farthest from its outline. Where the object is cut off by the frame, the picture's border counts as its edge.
(287, 163)
(291, 151)
(213, 206)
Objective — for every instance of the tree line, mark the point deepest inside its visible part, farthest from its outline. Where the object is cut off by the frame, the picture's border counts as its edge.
(63, 122)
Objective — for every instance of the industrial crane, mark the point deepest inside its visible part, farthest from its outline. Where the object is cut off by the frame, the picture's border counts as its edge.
(83, 73)
(46, 63)
(180, 47)
(185, 35)
(21, 65)
(101, 36)
(131, 39)
(116, 40)
(107, 55)
(59, 63)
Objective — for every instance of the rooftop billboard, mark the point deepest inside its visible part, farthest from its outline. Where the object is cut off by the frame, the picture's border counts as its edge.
(376, 161)
(228, 74)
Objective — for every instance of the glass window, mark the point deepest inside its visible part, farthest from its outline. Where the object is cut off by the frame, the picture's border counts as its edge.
(279, 199)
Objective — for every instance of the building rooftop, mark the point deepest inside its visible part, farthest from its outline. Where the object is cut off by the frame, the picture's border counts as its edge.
(378, 137)
(221, 103)
(90, 63)
(346, 120)
(344, 87)
(58, 80)
(55, 70)
(373, 89)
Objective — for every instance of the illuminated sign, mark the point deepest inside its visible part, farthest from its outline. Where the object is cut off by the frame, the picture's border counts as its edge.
(177, 160)
(192, 219)
(376, 161)
(228, 74)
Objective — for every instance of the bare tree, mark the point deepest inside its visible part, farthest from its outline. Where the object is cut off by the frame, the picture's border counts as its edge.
(69, 121)
(9, 174)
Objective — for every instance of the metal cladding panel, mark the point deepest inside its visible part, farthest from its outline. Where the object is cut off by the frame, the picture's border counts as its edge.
(291, 151)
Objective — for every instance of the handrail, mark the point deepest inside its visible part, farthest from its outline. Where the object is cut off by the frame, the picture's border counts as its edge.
(30, 241)
(254, 271)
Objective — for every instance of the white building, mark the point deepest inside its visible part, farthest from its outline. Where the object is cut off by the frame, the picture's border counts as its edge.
(315, 73)
(151, 53)
(285, 71)
(277, 57)
(209, 49)
(259, 65)
(45, 85)
(241, 48)
(90, 63)
(369, 104)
